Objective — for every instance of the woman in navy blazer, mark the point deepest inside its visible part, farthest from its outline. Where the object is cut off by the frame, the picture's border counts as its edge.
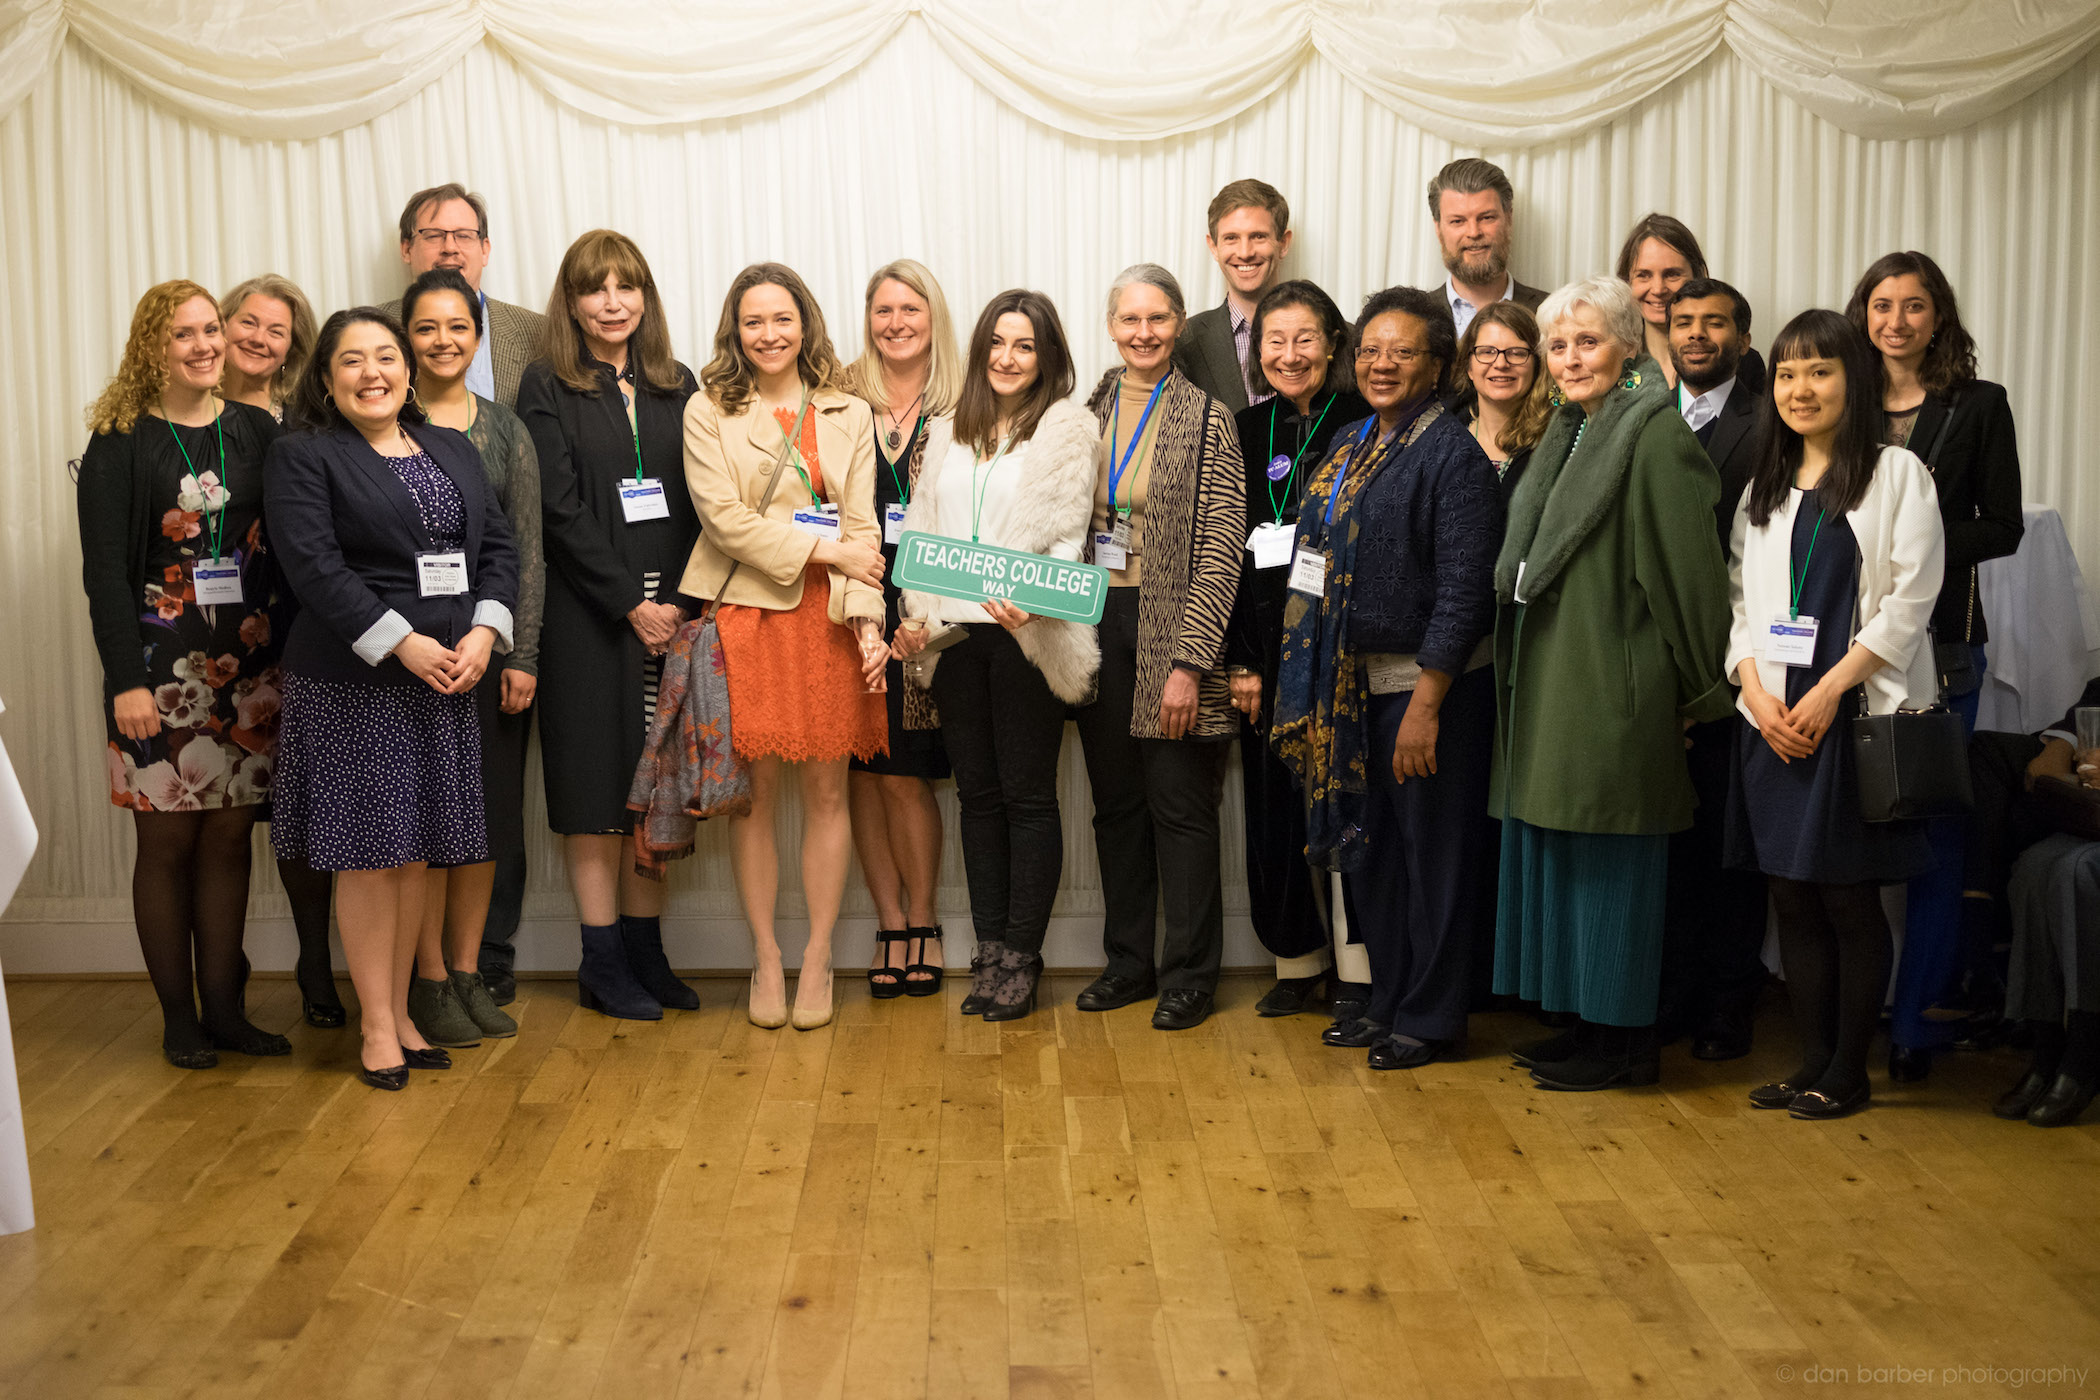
(405, 574)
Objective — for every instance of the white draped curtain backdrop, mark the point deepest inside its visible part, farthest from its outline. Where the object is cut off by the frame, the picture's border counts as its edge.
(1045, 145)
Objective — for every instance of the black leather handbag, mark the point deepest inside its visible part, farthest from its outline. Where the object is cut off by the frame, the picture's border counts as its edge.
(1911, 764)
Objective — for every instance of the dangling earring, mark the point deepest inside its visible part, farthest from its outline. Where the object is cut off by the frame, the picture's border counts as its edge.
(1556, 398)
(414, 402)
(1633, 376)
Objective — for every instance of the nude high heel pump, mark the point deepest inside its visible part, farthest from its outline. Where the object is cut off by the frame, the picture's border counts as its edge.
(765, 1017)
(808, 1018)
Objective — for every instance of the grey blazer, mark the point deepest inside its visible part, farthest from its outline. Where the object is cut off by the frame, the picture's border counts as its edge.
(1205, 353)
(514, 340)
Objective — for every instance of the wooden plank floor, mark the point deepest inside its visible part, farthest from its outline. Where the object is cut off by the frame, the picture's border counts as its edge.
(908, 1203)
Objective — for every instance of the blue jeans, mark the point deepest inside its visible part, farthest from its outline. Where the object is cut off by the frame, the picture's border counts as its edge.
(1932, 936)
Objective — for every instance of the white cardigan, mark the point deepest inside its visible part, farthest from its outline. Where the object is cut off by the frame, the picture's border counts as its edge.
(1902, 555)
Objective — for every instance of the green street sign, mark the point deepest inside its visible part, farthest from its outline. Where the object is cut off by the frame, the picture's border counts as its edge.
(1034, 583)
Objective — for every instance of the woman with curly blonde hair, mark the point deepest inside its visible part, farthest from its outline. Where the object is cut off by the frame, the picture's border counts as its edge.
(171, 543)
(270, 331)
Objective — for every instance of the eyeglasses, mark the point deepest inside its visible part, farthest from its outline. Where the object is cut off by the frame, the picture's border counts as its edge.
(439, 237)
(1517, 355)
(1402, 355)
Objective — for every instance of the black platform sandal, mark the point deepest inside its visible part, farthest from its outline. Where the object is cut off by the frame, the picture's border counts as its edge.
(885, 982)
(929, 985)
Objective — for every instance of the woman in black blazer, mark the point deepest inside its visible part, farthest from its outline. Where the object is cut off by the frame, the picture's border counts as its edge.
(402, 561)
(605, 405)
(1962, 428)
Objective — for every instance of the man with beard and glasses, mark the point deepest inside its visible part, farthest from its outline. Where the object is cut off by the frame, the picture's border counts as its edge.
(1471, 201)
(1250, 231)
(1713, 917)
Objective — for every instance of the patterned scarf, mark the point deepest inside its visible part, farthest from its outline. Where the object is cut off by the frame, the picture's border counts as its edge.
(689, 769)
(1322, 727)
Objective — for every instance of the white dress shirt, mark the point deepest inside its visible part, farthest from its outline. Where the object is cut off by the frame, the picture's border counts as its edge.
(1463, 311)
(481, 374)
(1701, 409)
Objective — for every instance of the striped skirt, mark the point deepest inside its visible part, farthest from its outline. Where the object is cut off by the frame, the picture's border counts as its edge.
(1579, 921)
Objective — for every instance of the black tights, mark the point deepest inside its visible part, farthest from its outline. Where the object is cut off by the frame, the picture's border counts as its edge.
(1838, 951)
(310, 892)
(189, 899)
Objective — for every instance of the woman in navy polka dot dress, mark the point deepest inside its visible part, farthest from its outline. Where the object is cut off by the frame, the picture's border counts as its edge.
(405, 572)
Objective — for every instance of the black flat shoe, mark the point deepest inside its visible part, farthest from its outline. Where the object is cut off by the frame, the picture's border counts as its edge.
(1394, 1053)
(1290, 996)
(1779, 1095)
(1356, 1034)
(1551, 1050)
(1348, 1001)
(247, 1039)
(502, 984)
(1815, 1104)
(193, 1058)
(1108, 991)
(1181, 1009)
(395, 1078)
(1909, 1064)
(2060, 1107)
(425, 1059)
(323, 1017)
(1587, 1073)
(2032, 1088)
(1726, 1036)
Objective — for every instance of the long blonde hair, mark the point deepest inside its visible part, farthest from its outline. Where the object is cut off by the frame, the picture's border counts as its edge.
(590, 260)
(729, 379)
(142, 375)
(304, 329)
(945, 376)
(1528, 424)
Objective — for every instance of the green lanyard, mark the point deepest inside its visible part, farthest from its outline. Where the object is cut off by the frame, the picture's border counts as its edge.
(1276, 503)
(903, 482)
(793, 437)
(1801, 578)
(978, 482)
(631, 410)
(214, 523)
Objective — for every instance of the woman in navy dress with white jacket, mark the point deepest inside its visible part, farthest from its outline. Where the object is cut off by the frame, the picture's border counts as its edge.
(403, 564)
(1836, 564)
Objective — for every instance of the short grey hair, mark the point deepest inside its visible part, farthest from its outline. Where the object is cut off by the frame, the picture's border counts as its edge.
(1610, 298)
(1152, 275)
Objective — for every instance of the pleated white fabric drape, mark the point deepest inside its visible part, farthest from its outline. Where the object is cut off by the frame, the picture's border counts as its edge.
(1511, 72)
(921, 148)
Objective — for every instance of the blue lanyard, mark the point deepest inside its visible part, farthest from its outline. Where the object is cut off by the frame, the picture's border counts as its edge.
(1116, 469)
(1342, 475)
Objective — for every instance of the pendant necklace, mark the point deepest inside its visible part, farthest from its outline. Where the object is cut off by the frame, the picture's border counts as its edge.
(896, 434)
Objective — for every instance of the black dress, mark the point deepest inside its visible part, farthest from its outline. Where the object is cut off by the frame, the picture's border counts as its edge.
(596, 679)
(914, 753)
(153, 501)
(1800, 820)
(1280, 885)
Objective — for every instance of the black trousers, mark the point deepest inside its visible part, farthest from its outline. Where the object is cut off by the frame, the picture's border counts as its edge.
(1414, 901)
(1287, 914)
(507, 896)
(1713, 916)
(1155, 825)
(1003, 729)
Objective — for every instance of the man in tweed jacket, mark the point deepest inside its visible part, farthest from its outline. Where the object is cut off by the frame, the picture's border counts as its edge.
(448, 226)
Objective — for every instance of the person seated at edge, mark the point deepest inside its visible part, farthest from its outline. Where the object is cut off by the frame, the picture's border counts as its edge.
(1307, 364)
(406, 575)
(910, 373)
(1250, 233)
(1169, 523)
(1506, 395)
(1015, 469)
(800, 587)
(1839, 538)
(449, 999)
(1386, 703)
(604, 405)
(1613, 590)
(1472, 208)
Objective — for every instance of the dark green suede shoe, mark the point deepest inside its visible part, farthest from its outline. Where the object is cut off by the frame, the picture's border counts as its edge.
(472, 994)
(438, 1014)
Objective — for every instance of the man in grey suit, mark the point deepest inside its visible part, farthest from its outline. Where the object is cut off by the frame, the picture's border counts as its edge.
(448, 226)
(1250, 231)
(1472, 201)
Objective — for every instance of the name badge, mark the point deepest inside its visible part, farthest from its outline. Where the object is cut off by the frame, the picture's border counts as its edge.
(1107, 553)
(821, 521)
(1791, 641)
(1121, 533)
(1309, 573)
(644, 500)
(1271, 545)
(441, 574)
(217, 580)
(892, 524)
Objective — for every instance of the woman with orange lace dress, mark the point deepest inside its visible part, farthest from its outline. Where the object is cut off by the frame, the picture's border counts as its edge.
(797, 567)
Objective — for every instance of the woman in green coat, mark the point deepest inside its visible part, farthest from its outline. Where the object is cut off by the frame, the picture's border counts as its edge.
(1609, 642)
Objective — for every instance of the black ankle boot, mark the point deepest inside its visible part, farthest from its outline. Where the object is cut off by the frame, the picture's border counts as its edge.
(606, 983)
(1611, 1055)
(643, 939)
